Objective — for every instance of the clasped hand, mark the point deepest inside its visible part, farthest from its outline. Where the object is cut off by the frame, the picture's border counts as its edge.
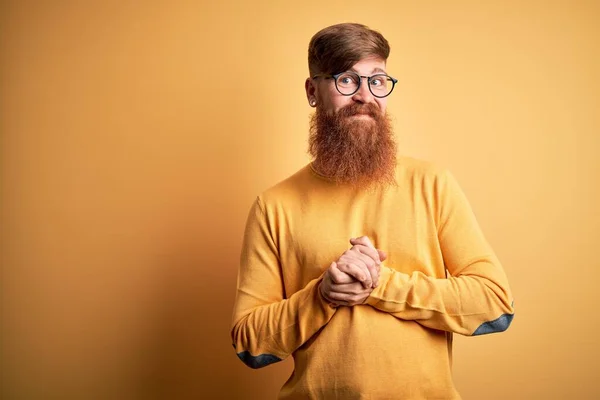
(351, 279)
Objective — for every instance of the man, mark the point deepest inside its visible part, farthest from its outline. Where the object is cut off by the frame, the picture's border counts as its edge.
(362, 265)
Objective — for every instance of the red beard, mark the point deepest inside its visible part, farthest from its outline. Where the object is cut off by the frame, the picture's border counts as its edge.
(360, 151)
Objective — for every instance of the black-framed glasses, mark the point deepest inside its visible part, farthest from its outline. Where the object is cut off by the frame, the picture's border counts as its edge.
(348, 83)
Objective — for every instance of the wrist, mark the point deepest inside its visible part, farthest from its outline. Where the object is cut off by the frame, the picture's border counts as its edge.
(378, 292)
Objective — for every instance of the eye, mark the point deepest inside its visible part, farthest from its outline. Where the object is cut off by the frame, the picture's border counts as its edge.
(379, 81)
(347, 79)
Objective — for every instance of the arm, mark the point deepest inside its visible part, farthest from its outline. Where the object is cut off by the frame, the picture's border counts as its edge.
(475, 299)
(266, 327)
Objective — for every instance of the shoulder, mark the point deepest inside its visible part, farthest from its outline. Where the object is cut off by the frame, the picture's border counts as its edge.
(291, 187)
(420, 170)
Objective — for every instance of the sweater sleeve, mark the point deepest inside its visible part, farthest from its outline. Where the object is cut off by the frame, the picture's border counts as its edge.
(267, 326)
(475, 299)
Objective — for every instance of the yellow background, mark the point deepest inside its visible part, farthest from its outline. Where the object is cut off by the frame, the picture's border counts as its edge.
(135, 135)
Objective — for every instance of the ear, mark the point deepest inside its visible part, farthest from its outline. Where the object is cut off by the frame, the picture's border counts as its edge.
(311, 89)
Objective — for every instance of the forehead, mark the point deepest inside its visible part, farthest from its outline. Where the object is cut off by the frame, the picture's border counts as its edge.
(369, 65)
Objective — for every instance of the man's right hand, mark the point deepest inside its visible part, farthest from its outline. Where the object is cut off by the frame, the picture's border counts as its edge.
(342, 289)
(352, 278)
(362, 261)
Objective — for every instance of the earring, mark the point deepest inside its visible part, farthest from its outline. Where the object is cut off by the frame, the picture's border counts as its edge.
(312, 102)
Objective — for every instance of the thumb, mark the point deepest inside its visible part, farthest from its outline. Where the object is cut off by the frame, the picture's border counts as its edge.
(363, 240)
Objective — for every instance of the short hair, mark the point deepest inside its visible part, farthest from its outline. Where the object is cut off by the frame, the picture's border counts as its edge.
(338, 47)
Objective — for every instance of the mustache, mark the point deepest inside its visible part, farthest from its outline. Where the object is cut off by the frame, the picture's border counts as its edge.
(352, 109)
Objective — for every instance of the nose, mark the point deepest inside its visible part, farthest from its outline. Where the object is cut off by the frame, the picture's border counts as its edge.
(363, 94)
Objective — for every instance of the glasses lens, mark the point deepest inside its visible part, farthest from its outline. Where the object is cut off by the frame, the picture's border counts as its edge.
(381, 85)
(347, 83)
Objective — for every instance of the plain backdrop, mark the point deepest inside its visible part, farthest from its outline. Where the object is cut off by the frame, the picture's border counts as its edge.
(136, 134)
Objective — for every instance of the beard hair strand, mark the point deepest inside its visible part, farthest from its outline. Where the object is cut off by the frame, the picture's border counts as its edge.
(353, 151)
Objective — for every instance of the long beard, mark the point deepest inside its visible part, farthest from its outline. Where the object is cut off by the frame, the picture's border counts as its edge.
(359, 151)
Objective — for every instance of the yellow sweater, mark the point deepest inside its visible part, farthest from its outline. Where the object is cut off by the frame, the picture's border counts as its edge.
(441, 276)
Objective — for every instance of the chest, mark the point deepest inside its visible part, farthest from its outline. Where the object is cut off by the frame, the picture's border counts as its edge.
(315, 234)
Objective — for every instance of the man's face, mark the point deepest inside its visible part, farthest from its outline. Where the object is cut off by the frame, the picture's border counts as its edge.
(350, 136)
(330, 101)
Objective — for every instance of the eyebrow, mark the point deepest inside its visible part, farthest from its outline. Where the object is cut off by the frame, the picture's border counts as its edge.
(378, 70)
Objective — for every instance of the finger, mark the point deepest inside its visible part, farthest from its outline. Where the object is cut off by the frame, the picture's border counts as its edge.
(351, 266)
(372, 265)
(349, 299)
(350, 288)
(338, 276)
(358, 270)
(326, 295)
(374, 271)
(367, 251)
(342, 304)
(364, 240)
(355, 254)
(325, 287)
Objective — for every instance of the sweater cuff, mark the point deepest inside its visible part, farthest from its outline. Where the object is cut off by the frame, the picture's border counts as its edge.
(385, 274)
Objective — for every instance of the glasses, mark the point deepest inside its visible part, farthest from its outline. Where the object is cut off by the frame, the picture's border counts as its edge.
(348, 83)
